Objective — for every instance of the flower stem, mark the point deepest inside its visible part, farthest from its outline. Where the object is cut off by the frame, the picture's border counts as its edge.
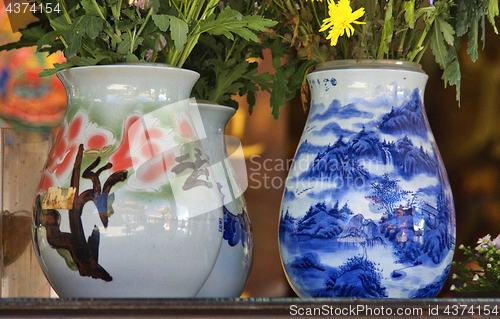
(65, 11)
(150, 12)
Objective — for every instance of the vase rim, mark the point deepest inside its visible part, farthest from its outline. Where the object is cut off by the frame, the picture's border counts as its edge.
(369, 64)
(214, 106)
(128, 65)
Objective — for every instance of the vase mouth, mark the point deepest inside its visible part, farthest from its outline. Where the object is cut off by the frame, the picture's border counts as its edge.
(385, 64)
(214, 106)
(158, 66)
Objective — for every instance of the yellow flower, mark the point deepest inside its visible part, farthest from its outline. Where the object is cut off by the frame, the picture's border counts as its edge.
(341, 17)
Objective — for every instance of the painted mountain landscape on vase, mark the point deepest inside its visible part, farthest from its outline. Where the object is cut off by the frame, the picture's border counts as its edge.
(370, 209)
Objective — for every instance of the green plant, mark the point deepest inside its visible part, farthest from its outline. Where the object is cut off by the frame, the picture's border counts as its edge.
(228, 66)
(485, 278)
(91, 32)
(316, 31)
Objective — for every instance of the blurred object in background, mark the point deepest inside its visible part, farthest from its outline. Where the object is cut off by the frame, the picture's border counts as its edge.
(264, 142)
(35, 104)
(22, 156)
(26, 100)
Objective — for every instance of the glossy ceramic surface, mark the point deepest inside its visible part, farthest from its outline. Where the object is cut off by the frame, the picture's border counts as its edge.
(367, 210)
(230, 274)
(127, 205)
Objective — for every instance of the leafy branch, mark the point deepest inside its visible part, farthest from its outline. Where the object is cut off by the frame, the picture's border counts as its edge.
(163, 31)
(227, 62)
(392, 29)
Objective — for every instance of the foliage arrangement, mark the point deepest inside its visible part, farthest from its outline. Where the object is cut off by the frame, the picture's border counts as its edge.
(486, 278)
(314, 31)
(229, 65)
(92, 32)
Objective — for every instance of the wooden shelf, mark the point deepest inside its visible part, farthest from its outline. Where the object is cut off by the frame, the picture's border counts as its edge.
(247, 308)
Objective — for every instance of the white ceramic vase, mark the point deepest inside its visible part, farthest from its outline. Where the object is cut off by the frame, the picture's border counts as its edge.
(230, 274)
(367, 210)
(127, 206)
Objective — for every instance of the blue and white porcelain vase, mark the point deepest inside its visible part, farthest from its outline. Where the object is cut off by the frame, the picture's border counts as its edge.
(367, 210)
(234, 263)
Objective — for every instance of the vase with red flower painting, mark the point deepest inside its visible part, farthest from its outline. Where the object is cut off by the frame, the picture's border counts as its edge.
(128, 205)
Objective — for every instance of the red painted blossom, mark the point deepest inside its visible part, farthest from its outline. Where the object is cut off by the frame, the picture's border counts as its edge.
(184, 128)
(63, 152)
(146, 148)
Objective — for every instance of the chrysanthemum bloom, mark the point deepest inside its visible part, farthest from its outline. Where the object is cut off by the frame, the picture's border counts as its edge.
(340, 20)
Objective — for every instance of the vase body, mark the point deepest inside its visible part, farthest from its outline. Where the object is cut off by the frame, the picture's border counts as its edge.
(367, 210)
(230, 274)
(127, 205)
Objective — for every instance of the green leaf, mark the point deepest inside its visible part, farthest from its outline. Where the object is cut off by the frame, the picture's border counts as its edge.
(85, 61)
(72, 62)
(386, 38)
(132, 58)
(409, 8)
(451, 74)
(162, 21)
(438, 46)
(472, 44)
(446, 29)
(178, 31)
(278, 92)
(92, 26)
(227, 81)
(298, 78)
(281, 87)
(491, 10)
(278, 49)
(230, 21)
(60, 23)
(155, 4)
(48, 39)
(57, 67)
(124, 46)
(74, 40)
(463, 16)
(34, 33)
(90, 8)
(387, 31)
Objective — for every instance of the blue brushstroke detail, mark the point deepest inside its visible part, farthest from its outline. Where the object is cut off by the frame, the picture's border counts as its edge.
(409, 118)
(332, 128)
(357, 278)
(307, 148)
(236, 227)
(336, 110)
(431, 290)
(342, 160)
(309, 261)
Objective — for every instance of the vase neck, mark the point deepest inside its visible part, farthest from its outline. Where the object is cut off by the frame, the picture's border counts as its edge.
(383, 64)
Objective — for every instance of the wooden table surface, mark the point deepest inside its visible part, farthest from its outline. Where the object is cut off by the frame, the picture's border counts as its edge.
(248, 308)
